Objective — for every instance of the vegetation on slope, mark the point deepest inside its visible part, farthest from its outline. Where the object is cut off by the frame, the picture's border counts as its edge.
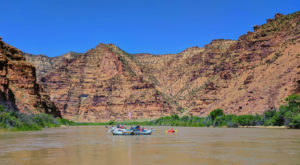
(12, 120)
(287, 115)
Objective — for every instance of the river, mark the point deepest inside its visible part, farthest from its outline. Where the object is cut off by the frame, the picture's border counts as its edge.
(90, 145)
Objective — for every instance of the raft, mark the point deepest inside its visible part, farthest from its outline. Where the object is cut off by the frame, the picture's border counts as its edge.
(144, 132)
(122, 132)
(119, 131)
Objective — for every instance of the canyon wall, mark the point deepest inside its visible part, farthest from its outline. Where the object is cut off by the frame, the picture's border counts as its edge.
(247, 76)
(103, 84)
(18, 87)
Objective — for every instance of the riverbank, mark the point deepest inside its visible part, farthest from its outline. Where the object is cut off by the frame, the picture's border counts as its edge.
(287, 116)
(142, 124)
(11, 120)
(269, 127)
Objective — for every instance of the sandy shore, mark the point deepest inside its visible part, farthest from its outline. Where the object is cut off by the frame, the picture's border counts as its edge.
(281, 127)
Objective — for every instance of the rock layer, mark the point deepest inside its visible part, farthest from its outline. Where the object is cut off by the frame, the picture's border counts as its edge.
(18, 87)
(247, 76)
(104, 84)
(44, 64)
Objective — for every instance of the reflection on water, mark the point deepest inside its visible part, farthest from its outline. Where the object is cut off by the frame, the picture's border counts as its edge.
(90, 145)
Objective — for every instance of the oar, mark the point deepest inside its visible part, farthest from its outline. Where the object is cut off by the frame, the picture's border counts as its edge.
(108, 131)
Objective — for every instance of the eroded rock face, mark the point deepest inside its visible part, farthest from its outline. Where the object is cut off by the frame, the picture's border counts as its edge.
(103, 84)
(44, 64)
(247, 76)
(18, 87)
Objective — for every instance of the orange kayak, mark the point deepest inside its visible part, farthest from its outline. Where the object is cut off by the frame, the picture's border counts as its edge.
(171, 131)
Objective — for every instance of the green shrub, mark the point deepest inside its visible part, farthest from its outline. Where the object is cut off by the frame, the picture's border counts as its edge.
(65, 121)
(294, 103)
(220, 121)
(286, 115)
(295, 122)
(269, 113)
(215, 113)
(246, 120)
(16, 121)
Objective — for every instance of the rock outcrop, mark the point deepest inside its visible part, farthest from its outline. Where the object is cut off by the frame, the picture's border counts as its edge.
(103, 84)
(18, 87)
(44, 64)
(247, 76)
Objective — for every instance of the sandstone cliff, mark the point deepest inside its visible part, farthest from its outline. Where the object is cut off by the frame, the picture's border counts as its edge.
(103, 84)
(44, 64)
(247, 76)
(18, 87)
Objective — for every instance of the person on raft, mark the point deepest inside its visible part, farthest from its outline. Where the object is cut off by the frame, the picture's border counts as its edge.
(137, 127)
(121, 126)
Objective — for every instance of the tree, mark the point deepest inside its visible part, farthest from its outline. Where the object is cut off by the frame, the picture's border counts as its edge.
(293, 103)
(295, 123)
(215, 113)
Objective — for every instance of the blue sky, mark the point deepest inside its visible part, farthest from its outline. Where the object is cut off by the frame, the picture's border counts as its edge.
(54, 27)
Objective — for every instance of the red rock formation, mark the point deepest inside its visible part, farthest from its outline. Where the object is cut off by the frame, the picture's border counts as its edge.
(247, 76)
(104, 84)
(18, 87)
(44, 64)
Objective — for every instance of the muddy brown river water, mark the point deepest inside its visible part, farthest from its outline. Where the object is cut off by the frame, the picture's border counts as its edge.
(90, 145)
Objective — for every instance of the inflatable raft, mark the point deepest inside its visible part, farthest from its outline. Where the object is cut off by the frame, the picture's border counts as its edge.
(119, 131)
(143, 132)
